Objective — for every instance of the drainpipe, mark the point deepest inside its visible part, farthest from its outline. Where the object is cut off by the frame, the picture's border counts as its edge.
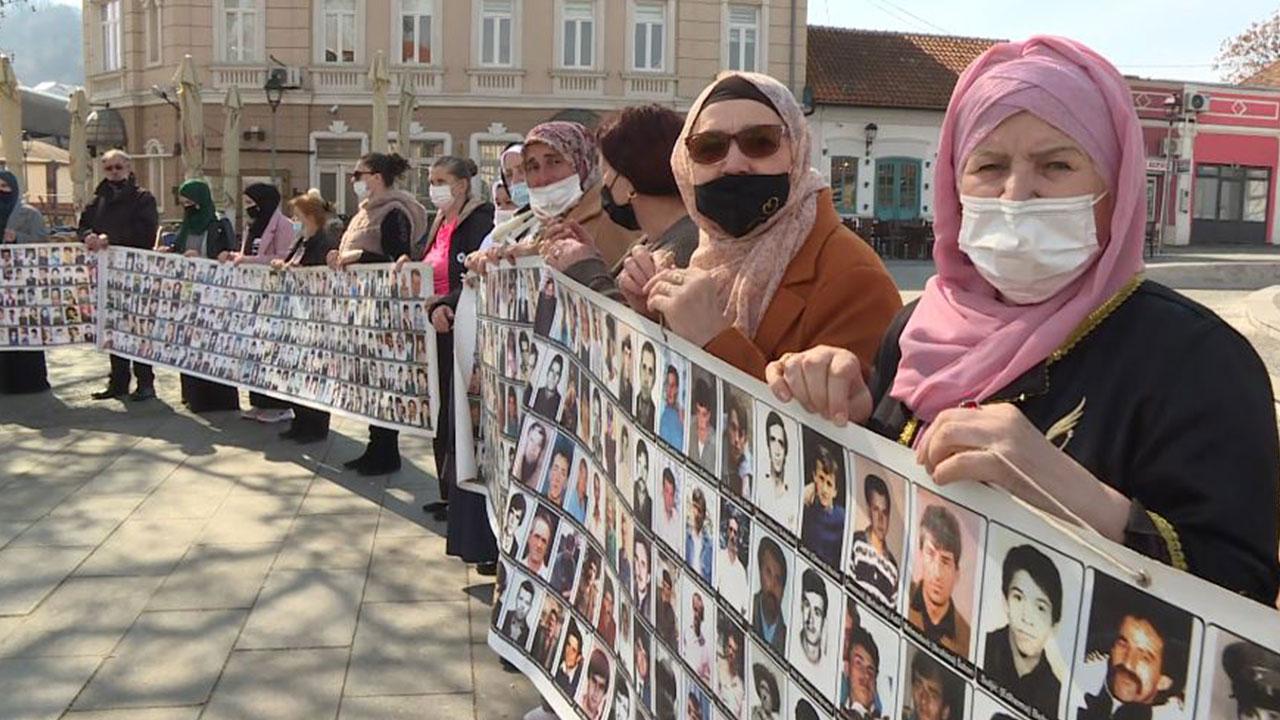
(791, 51)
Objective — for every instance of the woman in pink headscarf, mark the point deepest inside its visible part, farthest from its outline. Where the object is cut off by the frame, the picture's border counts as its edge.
(1038, 351)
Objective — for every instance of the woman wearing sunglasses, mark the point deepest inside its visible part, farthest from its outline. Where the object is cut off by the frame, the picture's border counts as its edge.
(387, 225)
(775, 271)
(1038, 360)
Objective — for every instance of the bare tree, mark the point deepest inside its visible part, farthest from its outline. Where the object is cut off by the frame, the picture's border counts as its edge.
(1251, 51)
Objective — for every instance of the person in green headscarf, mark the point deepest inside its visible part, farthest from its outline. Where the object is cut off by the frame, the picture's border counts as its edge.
(21, 371)
(203, 235)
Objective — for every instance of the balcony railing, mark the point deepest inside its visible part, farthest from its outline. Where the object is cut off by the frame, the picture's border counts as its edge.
(425, 81)
(496, 81)
(106, 85)
(650, 86)
(577, 82)
(346, 78)
(245, 77)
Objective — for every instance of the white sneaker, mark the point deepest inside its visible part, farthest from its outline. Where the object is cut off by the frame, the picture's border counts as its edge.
(275, 416)
(252, 413)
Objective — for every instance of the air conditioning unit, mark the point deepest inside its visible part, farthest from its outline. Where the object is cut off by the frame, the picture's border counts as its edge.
(1197, 103)
(287, 76)
(1168, 147)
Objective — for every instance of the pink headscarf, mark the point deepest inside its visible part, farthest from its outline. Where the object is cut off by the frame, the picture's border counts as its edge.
(963, 343)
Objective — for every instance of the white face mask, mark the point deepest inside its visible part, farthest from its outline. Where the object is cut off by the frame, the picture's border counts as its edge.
(360, 188)
(1029, 249)
(441, 196)
(552, 200)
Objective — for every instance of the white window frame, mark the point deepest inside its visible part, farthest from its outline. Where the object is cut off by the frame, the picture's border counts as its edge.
(255, 55)
(317, 166)
(761, 28)
(109, 35)
(156, 156)
(437, 36)
(668, 12)
(446, 148)
(497, 133)
(597, 23)
(153, 32)
(480, 14)
(357, 48)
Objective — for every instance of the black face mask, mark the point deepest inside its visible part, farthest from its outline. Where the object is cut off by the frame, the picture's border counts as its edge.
(621, 215)
(741, 203)
(253, 212)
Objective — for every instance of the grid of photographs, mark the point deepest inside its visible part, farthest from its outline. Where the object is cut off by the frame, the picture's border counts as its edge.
(48, 296)
(356, 342)
(677, 547)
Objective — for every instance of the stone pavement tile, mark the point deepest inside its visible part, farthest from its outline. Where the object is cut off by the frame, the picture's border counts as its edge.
(409, 707)
(146, 546)
(32, 497)
(27, 575)
(140, 469)
(40, 688)
(280, 479)
(406, 569)
(167, 658)
(329, 541)
(184, 500)
(279, 684)
(326, 496)
(84, 616)
(116, 506)
(305, 608)
(216, 576)
(66, 532)
(175, 713)
(410, 648)
(251, 519)
(506, 695)
(480, 606)
(10, 529)
(395, 525)
(8, 623)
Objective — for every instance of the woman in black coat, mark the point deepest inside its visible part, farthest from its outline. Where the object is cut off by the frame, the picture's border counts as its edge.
(462, 224)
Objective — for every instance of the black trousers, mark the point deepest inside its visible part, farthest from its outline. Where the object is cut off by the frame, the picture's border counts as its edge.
(22, 372)
(120, 373)
(309, 421)
(384, 444)
(265, 402)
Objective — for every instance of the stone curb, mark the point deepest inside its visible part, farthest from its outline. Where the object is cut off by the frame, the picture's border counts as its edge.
(1215, 275)
(1262, 308)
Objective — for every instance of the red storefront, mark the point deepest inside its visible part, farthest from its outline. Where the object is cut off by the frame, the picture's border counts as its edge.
(1213, 152)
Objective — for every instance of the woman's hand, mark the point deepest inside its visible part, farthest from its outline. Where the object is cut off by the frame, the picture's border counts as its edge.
(566, 243)
(10, 236)
(442, 318)
(163, 248)
(278, 264)
(400, 261)
(331, 259)
(638, 268)
(228, 256)
(689, 301)
(94, 242)
(825, 380)
(191, 253)
(997, 445)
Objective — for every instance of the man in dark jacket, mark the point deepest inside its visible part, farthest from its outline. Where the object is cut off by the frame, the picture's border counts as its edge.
(121, 213)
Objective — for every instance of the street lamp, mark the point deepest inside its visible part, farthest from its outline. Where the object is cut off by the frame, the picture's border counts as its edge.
(277, 83)
(869, 132)
(1172, 109)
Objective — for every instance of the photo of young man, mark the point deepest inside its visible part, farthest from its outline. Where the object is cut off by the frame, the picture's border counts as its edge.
(933, 691)
(517, 510)
(569, 667)
(778, 467)
(772, 598)
(868, 666)
(535, 443)
(1031, 597)
(944, 573)
(700, 519)
(642, 589)
(645, 408)
(733, 558)
(668, 521)
(697, 632)
(516, 625)
(547, 400)
(674, 401)
(731, 660)
(1244, 679)
(1135, 658)
(737, 467)
(593, 697)
(815, 629)
(666, 621)
(547, 637)
(703, 446)
(879, 538)
(642, 502)
(537, 544)
(822, 517)
(768, 686)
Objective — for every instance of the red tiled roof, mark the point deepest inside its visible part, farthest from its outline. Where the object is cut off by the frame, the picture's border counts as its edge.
(871, 68)
(1268, 76)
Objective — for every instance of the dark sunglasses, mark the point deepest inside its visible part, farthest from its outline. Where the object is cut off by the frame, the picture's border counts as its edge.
(357, 174)
(755, 141)
(112, 168)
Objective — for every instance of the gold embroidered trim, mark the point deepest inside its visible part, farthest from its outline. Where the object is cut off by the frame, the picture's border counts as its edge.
(909, 432)
(1171, 540)
(1095, 319)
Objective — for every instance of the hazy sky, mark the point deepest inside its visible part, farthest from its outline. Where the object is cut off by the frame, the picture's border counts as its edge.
(1175, 39)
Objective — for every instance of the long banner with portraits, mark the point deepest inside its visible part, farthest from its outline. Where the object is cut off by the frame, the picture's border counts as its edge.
(48, 296)
(676, 544)
(355, 342)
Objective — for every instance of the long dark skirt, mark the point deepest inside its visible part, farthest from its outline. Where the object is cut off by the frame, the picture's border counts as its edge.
(442, 444)
(265, 402)
(469, 536)
(208, 396)
(23, 372)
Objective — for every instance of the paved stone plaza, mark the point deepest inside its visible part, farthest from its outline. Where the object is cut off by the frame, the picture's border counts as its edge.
(155, 565)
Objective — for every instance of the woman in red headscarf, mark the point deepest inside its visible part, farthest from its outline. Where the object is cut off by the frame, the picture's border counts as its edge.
(1040, 361)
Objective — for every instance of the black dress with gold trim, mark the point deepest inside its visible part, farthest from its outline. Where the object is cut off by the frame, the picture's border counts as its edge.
(1162, 400)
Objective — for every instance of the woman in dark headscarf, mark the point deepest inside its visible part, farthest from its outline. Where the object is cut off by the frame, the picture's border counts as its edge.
(21, 371)
(269, 238)
(203, 234)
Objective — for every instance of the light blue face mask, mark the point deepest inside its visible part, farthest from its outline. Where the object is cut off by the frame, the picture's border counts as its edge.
(519, 194)
(297, 227)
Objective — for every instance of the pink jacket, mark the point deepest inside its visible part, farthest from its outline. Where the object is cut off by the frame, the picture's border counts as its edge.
(276, 242)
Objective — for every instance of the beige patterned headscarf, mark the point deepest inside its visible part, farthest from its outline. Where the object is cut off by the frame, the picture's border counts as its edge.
(749, 269)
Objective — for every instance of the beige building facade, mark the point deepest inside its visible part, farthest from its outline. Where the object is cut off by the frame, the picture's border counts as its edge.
(483, 71)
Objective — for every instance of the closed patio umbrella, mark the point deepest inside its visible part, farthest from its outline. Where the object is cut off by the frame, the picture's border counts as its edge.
(379, 82)
(78, 106)
(192, 109)
(233, 108)
(11, 119)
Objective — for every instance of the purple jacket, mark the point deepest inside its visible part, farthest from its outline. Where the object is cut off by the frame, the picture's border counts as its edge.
(276, 240)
